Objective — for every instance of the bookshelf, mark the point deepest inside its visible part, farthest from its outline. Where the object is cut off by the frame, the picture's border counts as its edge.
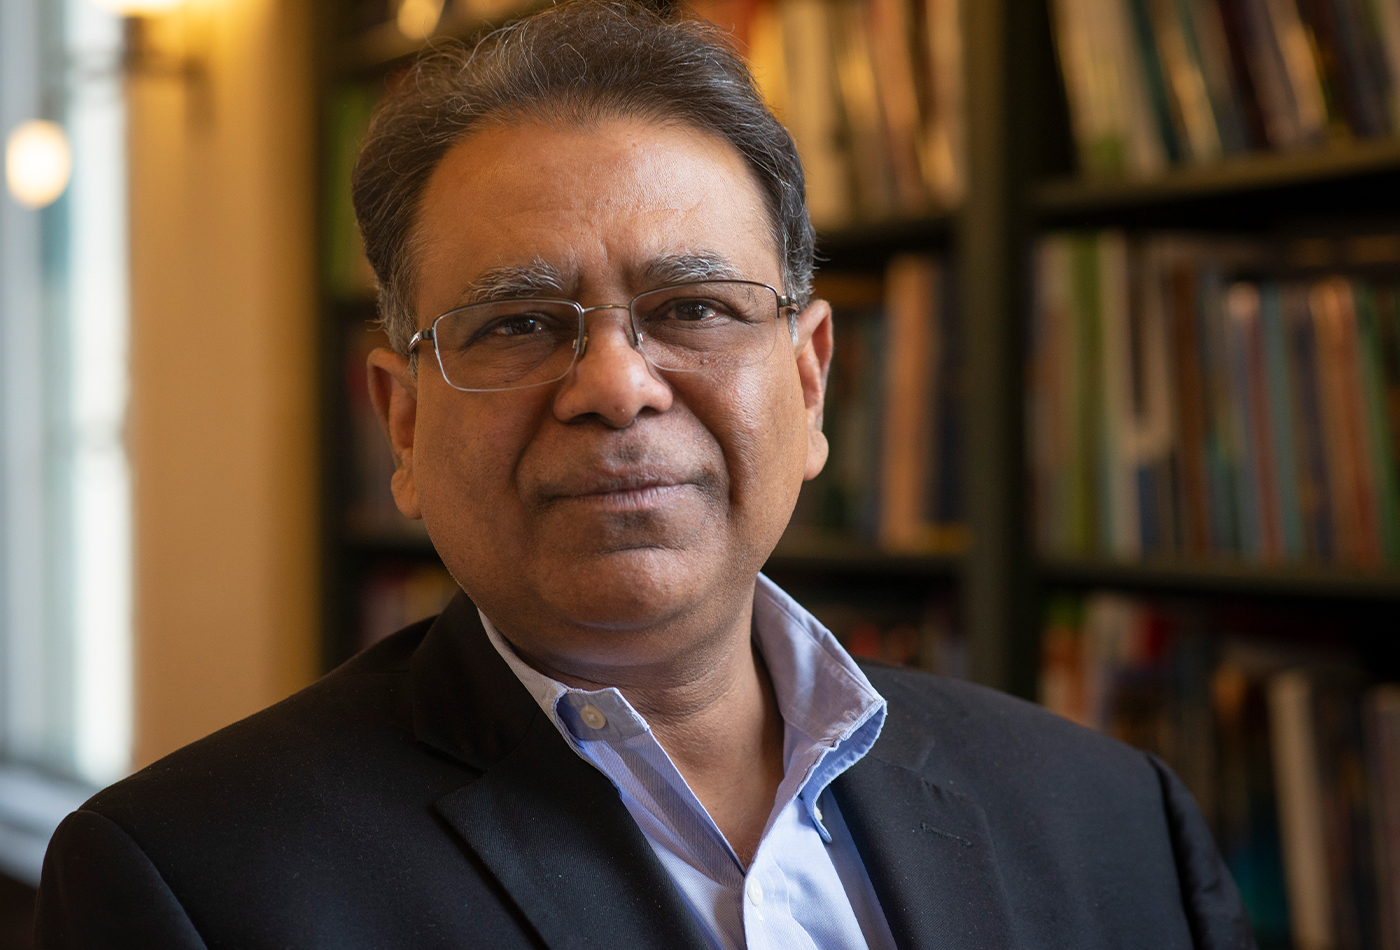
(1322, 204)
(1020, 182)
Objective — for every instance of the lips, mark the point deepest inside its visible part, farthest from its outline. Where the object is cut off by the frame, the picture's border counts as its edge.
(630, 489)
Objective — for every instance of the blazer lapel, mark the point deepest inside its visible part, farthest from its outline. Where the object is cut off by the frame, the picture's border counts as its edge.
(929, 855)
(548, 825)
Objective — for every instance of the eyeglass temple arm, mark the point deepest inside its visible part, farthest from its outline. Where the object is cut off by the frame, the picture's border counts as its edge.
(422, 336)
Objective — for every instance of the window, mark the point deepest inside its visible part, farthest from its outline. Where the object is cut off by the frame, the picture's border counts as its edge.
(65, 510)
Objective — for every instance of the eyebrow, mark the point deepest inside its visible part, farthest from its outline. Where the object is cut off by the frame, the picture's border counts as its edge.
(679, 268)
(539, 278)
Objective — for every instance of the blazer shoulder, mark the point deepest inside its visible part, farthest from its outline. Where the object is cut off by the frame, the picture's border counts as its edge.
(363, 702)
(964, 735)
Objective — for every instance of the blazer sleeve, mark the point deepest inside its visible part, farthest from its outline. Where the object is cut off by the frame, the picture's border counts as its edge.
(1212, 902)
(99, 890)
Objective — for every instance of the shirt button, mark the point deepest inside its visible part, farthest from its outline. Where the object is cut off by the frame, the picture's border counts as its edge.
(755, 891)
(592, 717)
(817, 812)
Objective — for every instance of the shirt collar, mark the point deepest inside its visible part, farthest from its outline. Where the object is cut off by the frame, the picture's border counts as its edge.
(821, 692)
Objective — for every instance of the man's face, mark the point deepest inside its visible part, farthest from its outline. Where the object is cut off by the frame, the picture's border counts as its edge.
(590, 516)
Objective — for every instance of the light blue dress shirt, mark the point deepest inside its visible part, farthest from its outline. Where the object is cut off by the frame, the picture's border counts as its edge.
(806, 888)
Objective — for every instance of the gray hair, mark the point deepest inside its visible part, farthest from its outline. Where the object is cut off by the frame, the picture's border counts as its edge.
(579, 62)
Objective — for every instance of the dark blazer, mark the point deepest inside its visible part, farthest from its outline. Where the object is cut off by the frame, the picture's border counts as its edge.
(417, 797)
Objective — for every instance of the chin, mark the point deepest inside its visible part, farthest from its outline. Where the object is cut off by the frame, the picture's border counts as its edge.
(626, 590)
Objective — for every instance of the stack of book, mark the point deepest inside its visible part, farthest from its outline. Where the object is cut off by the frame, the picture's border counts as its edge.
(1292, 756)
(1156, 82)
(871, 91)
(892, 417)
(1177, 410)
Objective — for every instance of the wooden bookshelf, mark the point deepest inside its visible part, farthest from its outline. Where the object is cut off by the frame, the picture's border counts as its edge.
(1323, 168)
(1233, 577)
(1020, 181)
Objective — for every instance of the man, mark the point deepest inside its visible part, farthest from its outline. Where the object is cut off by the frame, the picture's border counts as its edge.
(604, 393)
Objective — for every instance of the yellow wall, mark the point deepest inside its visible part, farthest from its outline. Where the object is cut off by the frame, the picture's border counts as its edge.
(222, 428)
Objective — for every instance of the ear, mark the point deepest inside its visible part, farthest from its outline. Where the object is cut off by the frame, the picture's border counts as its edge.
(814, 348)
(393, 388)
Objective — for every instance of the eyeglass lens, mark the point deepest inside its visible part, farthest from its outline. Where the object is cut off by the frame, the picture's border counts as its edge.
(513, 344)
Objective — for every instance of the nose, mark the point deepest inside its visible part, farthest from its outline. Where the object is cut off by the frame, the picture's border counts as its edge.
(611, 380)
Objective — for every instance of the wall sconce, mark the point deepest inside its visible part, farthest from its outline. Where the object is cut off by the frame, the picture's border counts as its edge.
(38, 163)
(144, 57)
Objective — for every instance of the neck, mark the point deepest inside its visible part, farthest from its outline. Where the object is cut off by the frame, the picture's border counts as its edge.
(716, 715)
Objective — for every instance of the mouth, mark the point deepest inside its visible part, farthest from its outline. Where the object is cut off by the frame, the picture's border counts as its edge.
(622, 494)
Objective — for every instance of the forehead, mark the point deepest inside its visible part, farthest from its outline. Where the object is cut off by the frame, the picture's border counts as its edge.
(599, 205)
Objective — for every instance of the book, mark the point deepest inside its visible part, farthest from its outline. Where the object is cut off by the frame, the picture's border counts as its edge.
(1152, 83)
(1285, 748)
(1197, 133)
(1298, 783)
(1176, 409)
(872, 93)
(812, 116)
(892, 417)
(891, 33)
(1381, 713)
(913, 363)
(945, 136)
(1281, 407)
(1385, 479)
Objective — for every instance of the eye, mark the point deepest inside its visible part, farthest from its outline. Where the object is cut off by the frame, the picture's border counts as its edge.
(692, 310)
(520, 325)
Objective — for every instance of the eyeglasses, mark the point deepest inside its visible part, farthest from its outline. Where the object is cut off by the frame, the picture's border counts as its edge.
(706, 326)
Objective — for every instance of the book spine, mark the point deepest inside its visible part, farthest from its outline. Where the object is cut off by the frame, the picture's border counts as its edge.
(945, 149)
(891, 28)
(1204, 30)
(1328, 318)
(1087, 398)
(1119, 462)
(1180, 58)
(1155, 435)
(1282, 423)
(812, 115)
(1222, 462)
(1385, 479)
(1382, 719)
(913, 359)
(1049, 412)
(1193, 490)
(1241, 315)
(1166, 109)
(1358, 442)
(1298, 784)
(1315, 481)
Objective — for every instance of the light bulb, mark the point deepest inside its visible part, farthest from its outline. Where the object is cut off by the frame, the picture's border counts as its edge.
(418, 18)
(38, 163)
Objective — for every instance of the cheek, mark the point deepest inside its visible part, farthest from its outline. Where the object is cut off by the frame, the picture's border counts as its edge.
(466, 449)
(765, 442)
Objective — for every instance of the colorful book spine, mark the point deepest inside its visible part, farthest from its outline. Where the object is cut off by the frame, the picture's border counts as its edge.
(1291, 754)
(1158, 82)
(872, 92)
(1177, 411)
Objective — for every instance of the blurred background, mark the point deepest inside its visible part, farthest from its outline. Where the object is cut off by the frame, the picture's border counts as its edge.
(1114, 413)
